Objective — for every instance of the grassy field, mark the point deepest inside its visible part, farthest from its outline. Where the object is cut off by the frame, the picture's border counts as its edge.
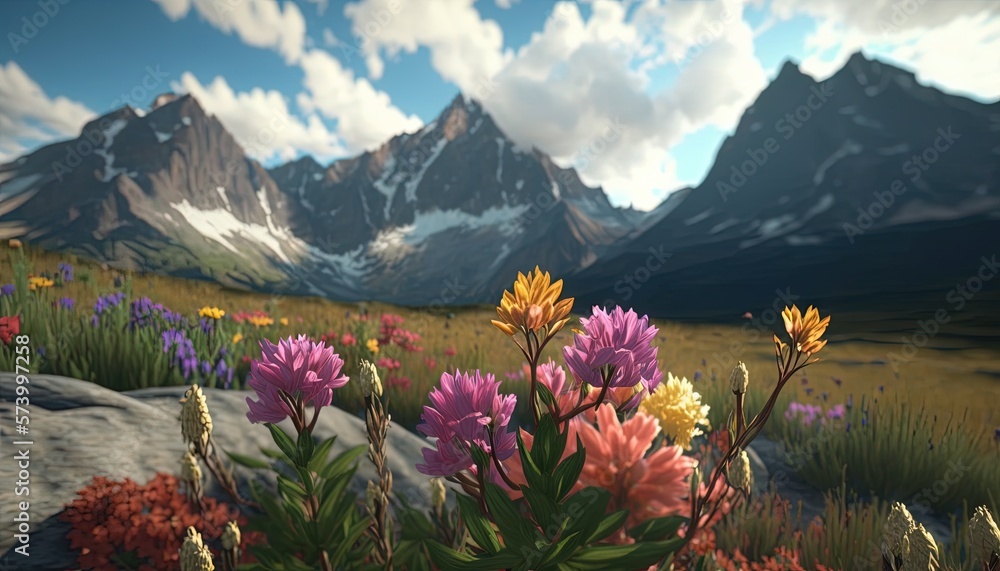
(895, 440)
(953, 376)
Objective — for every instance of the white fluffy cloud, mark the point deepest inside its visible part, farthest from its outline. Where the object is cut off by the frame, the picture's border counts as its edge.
(465, 49)
(259, 23)
(29, 117)
(365, 116)
(261, 122)
(951, 44)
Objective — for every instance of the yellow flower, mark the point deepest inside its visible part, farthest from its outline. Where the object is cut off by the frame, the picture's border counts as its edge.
(534, 305)
(372, 346)
(283, 321)
(37, 282)
(211, 312)
(806, 330)
(261, 320)
(678, 408)
(237, 338)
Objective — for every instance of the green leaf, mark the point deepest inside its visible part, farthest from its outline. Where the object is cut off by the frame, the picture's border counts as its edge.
(320, 454)
(479, 527)
(290, 489)
(548, 445)
(284, 442)
(616, 557)
(567, 473)
(543, 507)
(248, 461)
(341, 463)
(516, 530)
(657, 529)
(545, 395)
(305, 447)
(610, 524)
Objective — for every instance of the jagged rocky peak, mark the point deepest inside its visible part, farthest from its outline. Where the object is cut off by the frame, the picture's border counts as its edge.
(162, 100)
(462, 115)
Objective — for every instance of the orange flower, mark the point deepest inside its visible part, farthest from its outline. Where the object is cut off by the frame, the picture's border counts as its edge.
(805, 331)
(534, 305)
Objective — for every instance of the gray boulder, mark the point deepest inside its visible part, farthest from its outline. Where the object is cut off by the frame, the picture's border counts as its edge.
(79, 430)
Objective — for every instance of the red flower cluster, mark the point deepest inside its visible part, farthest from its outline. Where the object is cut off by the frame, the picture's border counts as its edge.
(123, 520)
(784, 560)
(388, 364)
(390, 333)
(9, 328)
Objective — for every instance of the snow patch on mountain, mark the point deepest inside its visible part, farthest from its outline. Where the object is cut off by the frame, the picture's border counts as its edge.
(414, 181)
(506, 219)
(162, 137)
(500, 145)
(221, 225)
(225, 197)
(698, 218)
(109, 158)
(848, 148)
(17, 185)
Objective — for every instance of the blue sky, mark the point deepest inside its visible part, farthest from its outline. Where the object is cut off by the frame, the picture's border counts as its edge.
(342, 77)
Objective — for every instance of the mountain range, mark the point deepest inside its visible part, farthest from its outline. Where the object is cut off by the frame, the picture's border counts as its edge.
(447, 215)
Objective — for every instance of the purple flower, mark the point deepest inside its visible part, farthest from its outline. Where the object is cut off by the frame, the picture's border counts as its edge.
(836, 412)
(106, 302)
(809, 391)
(171, 337)
(206, 367)
(65, 272)
(837, 381)
(463, 409)
(40, 350)
(302, 369)
(67, 303)
(206, 325)
(619, 340)
(697, 375)
(143, 312)
(850, 402)
(7, 290)
(996, 435)
(825, 396)
(881, 388)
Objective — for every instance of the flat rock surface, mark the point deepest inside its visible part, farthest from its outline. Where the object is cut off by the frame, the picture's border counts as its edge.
(80, 430)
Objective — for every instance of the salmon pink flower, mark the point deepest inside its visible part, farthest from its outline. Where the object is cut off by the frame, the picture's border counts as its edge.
(290, 375)
(348, 339)
(649, 487)
(464, 409)
(621, 341)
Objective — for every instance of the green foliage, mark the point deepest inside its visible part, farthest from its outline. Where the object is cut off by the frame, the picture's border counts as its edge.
(552, 528)
(314, 516)
(897, 452)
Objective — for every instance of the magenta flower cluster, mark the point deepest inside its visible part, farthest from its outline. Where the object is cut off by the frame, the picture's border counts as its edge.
(301, 368)
(463, 411)
(619, 339)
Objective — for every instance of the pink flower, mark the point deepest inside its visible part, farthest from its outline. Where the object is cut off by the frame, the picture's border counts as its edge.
(398, 382)
(621, 340)
(305, 371)
(347, 339)
(553, 376)
(430, 362)
(648, 487)
(450, 352)
(388, 363)
(463, 408)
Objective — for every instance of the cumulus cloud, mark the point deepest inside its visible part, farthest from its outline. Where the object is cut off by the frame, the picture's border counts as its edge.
(464, 48)
(261, 121)
(258, 23)
(945, 43)
(29, 117)
(575, 77)
(365, 116)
